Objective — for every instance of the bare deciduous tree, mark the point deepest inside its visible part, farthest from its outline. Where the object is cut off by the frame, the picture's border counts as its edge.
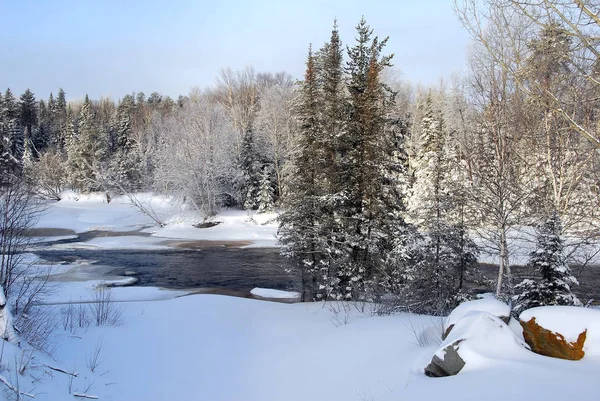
(193, 156)
(275, 127)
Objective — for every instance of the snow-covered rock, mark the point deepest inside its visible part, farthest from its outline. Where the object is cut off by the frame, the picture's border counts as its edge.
(488, 304)
(565, 332)
(476, 338)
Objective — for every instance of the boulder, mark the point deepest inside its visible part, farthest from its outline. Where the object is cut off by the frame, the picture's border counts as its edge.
(566, 332)
(489, 305)
(477, 339)
(446, 362)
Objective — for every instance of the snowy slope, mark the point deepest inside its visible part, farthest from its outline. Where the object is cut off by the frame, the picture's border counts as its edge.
(210, 347)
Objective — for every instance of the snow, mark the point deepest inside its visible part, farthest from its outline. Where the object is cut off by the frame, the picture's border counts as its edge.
(6, 320)
(224, 348)
(83, 292)
(269, 293)
(235, 225)
(171, 345)
(487, 304)
(485, 339)
(82, 213)
(570, 321)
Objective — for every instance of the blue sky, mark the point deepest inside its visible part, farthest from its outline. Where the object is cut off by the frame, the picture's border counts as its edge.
(110, 47)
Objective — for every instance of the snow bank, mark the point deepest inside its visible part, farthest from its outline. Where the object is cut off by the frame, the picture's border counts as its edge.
(269, 293)
(214, 347)
(234, 225)
(488, 304)
(570, 321)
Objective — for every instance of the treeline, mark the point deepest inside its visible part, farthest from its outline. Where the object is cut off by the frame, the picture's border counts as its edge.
(223, 146)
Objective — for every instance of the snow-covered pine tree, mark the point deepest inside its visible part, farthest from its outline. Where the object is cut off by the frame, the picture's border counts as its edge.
(332, 117)
(87, 148)
(300, 221)
(370, 211)
(266, 193)
(548, 259)
(428, 201)
(57, 109)
(124, 164)
(13, 131)
(436, 206)
(403, 238)
(29, 120)
(5, 143)
(249, 166)
(74, 173)
(42, 135)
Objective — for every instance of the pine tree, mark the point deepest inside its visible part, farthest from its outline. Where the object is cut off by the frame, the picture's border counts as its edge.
(372, 209)
(13, 133)
(42, 135)
(266, 193)
(342, 223)
(58, 111)
(5, 144)
(28, 120)
(249, 167)
(124, 163)
(76, 176)
(300, 222)
(436, 206)
(554, 287)
(88, 147)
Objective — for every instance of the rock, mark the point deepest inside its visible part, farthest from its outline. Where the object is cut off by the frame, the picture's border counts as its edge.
(489, 305)
(478, 336)
(446, 362)
(545, 342)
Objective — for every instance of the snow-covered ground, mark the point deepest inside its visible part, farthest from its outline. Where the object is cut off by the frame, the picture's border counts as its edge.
(213, 347)
(82, 213)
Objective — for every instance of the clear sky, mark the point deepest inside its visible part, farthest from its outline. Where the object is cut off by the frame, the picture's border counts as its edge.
(114, 47)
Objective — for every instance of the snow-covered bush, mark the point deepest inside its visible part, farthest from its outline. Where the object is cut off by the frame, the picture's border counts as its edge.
(548, 259)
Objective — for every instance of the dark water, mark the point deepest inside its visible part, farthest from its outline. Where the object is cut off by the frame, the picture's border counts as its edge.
(233, 269)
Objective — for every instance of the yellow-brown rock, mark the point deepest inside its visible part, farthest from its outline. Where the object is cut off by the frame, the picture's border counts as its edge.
(549, 343)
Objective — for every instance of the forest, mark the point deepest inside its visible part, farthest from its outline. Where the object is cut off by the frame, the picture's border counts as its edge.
(387, 191)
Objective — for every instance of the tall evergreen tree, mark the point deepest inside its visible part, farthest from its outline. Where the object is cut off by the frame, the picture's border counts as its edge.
(249, 167)
(333, 121)
(13, 132)
(371, 210)
(59, 121)
(300, 222)
(28, 120)
(87, 150)
(124, 163)
(42, 135)
(5, 143)
(266, 191)
(436, 207)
